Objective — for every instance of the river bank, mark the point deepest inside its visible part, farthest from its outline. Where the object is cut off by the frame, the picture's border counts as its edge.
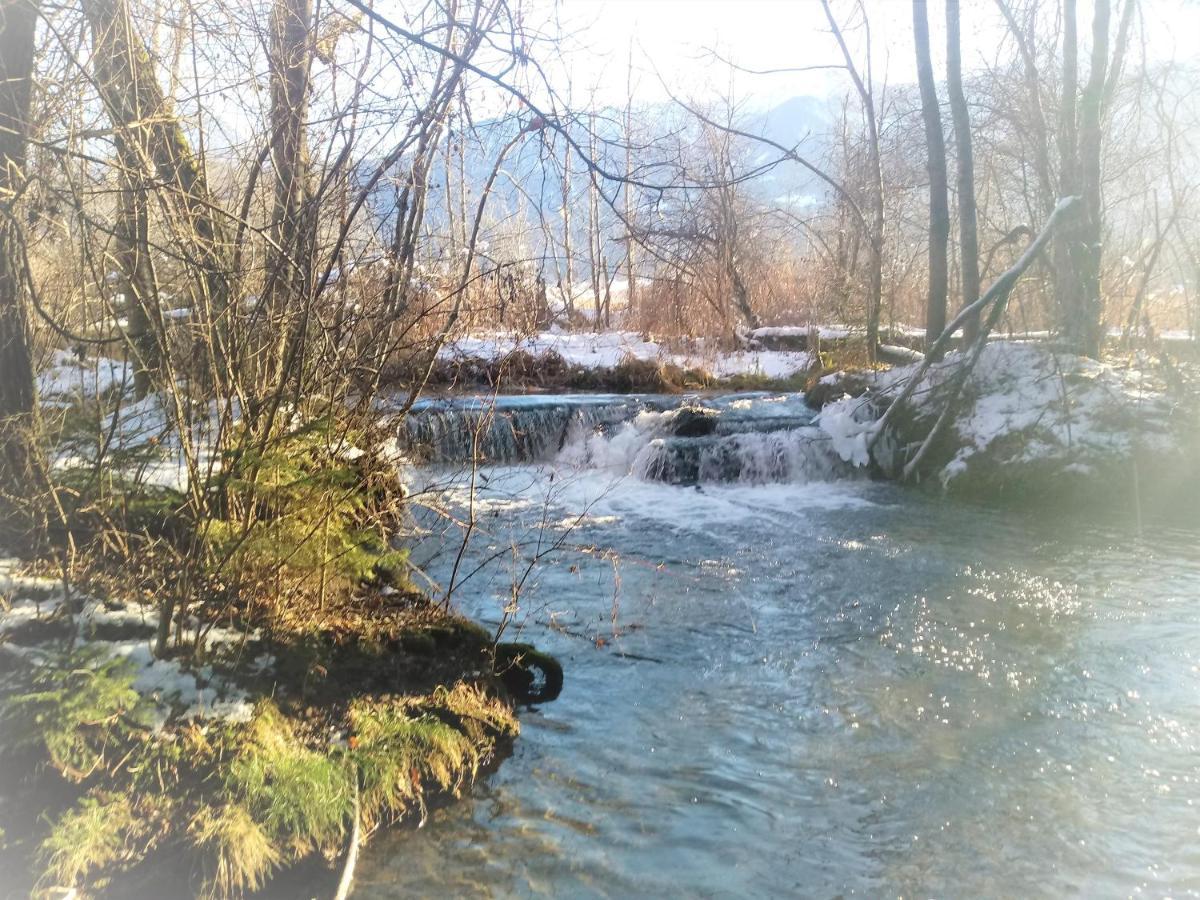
(124, 772)
(197, 694)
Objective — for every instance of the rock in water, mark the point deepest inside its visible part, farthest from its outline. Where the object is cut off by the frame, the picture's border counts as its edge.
(693, 421)
(529, 675)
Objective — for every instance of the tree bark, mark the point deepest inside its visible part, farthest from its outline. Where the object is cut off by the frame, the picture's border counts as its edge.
(289, 283)
(289, 273)
(939, 207)
(968, 229)
(18, 19)
(567, 289)
(1068, 287)
(627, 195)
(140, 304)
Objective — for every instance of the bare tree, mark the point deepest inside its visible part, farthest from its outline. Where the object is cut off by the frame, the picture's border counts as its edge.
(865, 88)
(153, 148)
(1083, 322)
(566, 279)
(289, 272)
(628, 197)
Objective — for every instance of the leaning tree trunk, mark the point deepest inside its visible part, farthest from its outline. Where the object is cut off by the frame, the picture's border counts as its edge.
(939, 208)
(150, 138)
(18, 417)
(968, 233)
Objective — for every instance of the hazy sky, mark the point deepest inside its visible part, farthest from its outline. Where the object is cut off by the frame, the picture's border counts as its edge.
(669, 36)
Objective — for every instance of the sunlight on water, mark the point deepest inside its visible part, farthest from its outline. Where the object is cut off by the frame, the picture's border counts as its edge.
(827, 689)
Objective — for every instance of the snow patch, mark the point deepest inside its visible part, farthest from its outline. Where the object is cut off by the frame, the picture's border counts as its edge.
(175, 691)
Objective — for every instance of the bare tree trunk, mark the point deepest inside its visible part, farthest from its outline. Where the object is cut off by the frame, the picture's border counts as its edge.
(566, 287)
(288, 288)
(17, 393)
(411, 203)
(450, 187)
(140, 302)
(968, 229)
(594, 239)
(289, 271)
(145, 326)
(463, 217)
(1084, 326)
(627, 190)
(939, 206)
(1068, 287)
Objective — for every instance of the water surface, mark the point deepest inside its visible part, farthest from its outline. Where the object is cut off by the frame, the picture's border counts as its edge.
(825, 689)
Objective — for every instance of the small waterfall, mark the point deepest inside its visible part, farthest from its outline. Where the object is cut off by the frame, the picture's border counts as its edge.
(512, 430)
(754, 438)
(799, 454)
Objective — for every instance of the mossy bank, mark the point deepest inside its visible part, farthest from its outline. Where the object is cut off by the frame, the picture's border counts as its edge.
(106, 793)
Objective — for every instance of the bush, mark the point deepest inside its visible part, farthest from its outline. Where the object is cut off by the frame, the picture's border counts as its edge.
(76, 706)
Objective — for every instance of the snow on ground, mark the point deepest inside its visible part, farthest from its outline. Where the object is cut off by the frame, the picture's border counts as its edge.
(1071, 409)
(121, 425)
(176, 692)
(825, 332)
(66, 377)
(606, 349)
(587, 349)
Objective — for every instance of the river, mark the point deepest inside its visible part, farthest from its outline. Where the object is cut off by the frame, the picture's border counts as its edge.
(801, 683)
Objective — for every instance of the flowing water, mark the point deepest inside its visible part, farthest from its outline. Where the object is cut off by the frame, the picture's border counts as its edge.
(784, 681)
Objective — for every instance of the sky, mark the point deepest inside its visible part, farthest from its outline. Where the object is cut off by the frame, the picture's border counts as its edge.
(671, 42)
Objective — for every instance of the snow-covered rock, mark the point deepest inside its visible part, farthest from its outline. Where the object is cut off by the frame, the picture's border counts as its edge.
(1028, 419)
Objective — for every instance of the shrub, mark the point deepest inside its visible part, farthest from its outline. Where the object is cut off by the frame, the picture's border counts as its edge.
(77, 705)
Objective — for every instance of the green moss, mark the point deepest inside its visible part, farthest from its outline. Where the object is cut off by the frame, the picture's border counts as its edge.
(317, 516)
(248, 798)
(400, 746)
(478, 712)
